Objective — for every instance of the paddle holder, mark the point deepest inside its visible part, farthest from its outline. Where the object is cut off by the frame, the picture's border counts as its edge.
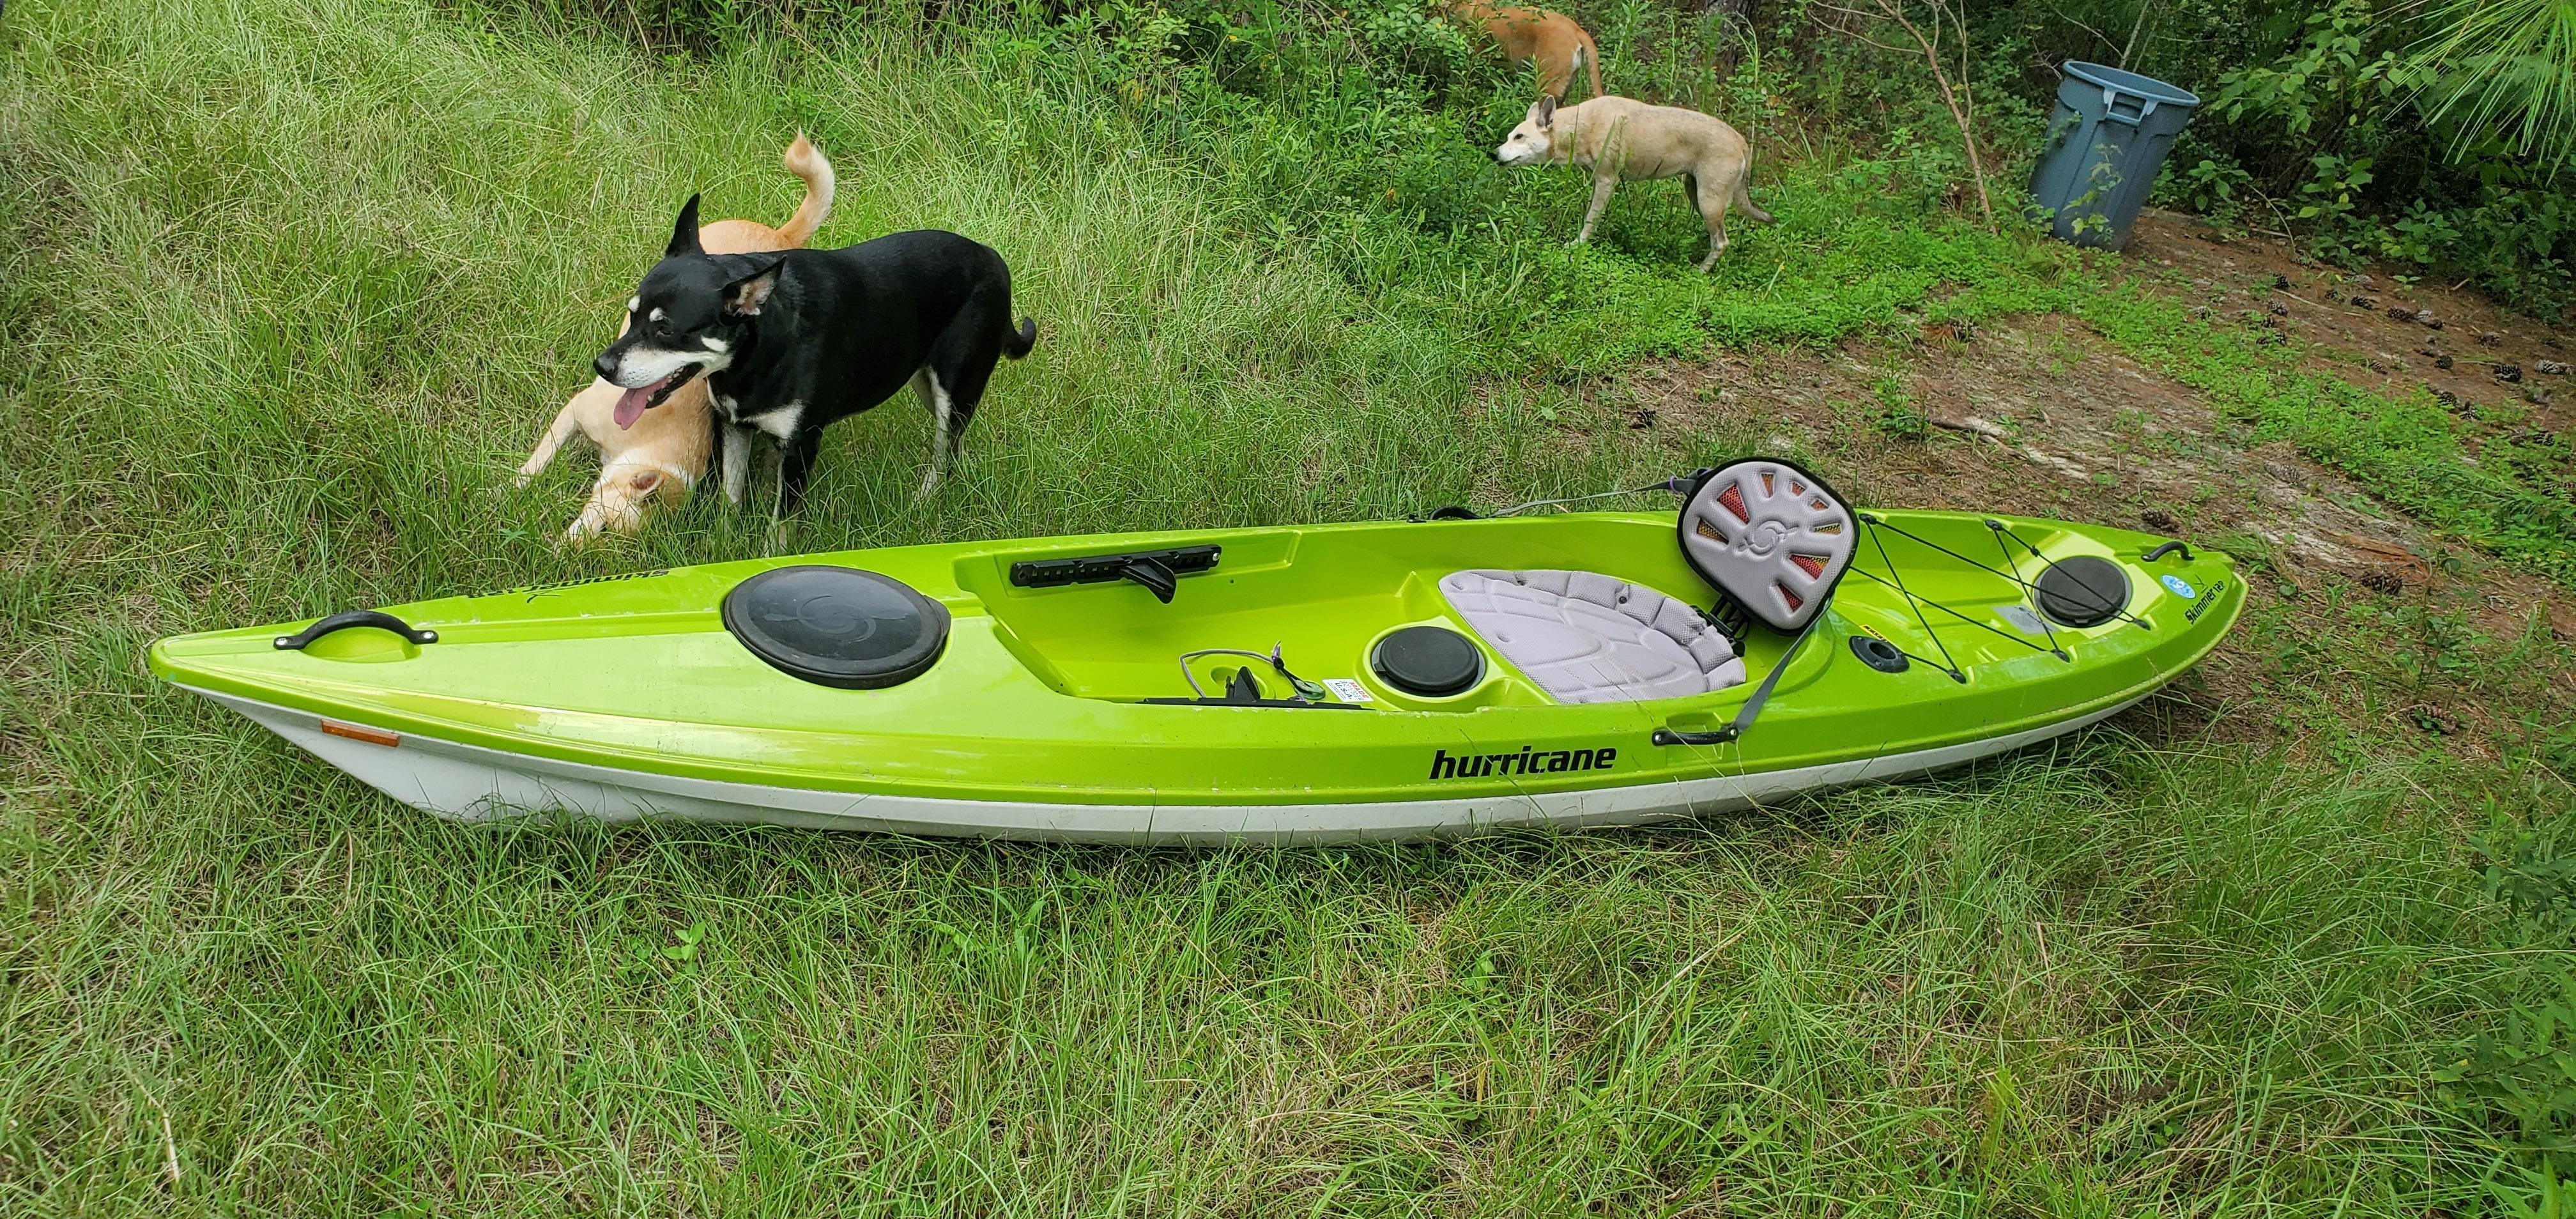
(1157, 571)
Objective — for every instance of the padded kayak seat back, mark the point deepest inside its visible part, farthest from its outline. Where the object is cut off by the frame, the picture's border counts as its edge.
(1772, 537)
(1590, 638)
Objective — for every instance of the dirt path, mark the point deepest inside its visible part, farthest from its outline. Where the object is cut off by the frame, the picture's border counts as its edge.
(2042, 416)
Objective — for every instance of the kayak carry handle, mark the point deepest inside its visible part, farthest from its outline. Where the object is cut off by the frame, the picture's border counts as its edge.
(1159, 571)
(348, 618)
(2166, 549)
(1718, 736)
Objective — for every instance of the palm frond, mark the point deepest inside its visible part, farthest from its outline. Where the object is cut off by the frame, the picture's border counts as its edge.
(2504, 70)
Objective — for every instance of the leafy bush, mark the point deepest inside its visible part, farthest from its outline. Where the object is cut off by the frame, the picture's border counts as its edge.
(2434, 135)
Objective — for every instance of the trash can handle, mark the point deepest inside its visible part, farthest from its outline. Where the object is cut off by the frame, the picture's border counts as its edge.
(2111, 96)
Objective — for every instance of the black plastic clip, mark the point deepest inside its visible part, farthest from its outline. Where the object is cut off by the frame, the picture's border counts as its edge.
(348, 618)
(1150, 572)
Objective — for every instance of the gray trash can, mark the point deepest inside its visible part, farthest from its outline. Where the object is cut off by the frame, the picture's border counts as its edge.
(2106, 141)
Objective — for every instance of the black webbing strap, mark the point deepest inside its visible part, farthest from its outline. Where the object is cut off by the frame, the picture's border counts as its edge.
(1753, 705)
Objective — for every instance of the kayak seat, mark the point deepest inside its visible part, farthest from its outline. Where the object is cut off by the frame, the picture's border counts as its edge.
(1772, 537)
(1590, 638)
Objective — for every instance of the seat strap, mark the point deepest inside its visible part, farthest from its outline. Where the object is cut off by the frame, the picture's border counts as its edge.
(1753, 705)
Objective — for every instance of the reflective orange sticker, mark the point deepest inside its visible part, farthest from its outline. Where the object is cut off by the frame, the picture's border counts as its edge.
(360, 732)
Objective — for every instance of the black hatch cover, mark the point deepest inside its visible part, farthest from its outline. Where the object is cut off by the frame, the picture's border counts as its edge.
(2083, 591)
(1428, 660)
(837, 626)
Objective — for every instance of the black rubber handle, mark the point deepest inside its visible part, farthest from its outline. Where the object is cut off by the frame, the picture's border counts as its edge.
(348, 618)
(2166, 549)
(1151, 573)
(1721, 736)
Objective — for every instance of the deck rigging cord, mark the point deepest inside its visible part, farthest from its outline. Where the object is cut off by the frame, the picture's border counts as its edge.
(1676, 485)
(1996, 527)
(2099, 602)
(1947, 665)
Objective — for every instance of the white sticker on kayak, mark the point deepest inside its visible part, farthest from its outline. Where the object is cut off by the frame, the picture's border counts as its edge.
(1347, 690)
(2021, 617)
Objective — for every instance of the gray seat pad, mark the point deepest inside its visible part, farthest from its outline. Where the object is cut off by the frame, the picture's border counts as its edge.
(1589, 638)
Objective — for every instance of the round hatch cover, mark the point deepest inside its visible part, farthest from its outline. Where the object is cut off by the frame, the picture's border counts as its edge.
(837, 626)
(2083, 591)
(1428, 660)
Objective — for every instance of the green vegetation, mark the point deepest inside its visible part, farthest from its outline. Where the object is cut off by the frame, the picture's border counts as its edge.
(295, 284)
(2406, 451)
(2434, 134)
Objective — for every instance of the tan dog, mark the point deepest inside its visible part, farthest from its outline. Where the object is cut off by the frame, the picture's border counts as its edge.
(1526, 34)
(1620, 139)
(659, 455)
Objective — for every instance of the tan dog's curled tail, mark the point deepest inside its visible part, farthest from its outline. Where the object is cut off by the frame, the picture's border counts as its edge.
(1591, 54)
(807, 162)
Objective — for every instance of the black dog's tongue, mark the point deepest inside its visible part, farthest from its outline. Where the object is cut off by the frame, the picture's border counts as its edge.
(631, 404)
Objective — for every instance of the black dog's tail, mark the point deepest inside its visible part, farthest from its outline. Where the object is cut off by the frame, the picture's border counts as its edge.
(1019, 344)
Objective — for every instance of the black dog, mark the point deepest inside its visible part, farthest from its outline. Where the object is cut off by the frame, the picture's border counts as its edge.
(793, 340)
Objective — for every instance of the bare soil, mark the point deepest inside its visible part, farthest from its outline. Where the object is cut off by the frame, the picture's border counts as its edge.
(2042, 416)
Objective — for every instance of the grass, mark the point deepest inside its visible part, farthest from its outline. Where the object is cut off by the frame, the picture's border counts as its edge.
(296, 282)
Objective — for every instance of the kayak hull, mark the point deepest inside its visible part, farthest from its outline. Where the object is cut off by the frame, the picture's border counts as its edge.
(1062, 711)
(470, 783)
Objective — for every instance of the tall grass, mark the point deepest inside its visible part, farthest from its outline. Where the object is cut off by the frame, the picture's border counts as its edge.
(292, 285)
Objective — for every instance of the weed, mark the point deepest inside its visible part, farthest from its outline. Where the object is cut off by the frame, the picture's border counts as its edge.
(1898, 416)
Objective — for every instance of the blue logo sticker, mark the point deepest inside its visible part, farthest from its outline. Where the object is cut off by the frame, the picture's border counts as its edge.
(2181, 587)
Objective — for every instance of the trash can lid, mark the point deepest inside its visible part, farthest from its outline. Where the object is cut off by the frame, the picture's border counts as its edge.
(2129, 82)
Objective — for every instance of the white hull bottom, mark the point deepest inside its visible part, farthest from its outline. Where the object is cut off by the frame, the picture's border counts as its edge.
(469, 782)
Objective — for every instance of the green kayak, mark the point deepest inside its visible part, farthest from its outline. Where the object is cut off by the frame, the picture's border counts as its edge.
(1275, 685)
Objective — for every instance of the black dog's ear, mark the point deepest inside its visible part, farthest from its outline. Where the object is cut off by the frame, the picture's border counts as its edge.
(744, 297)
(1546, 119)
(684, 235)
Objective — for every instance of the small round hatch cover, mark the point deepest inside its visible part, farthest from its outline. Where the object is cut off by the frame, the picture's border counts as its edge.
(1431, 661)
(837, 626)
(2083, 591)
